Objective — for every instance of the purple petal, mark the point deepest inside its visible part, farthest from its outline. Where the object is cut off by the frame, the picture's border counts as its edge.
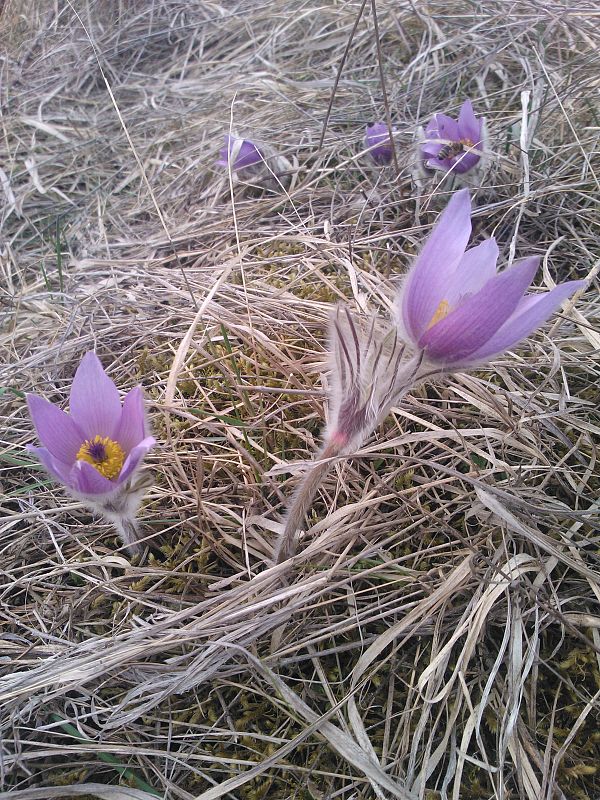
(431, 130)
(460, 164)
(86, 479)
(377, 139)
(447, 128)
(132, 425)
(241, 152)
(58, 469)
(431, 149)
(530, 313)
(56, 429)
(467, 328)
(445, 164)
(95, 404)
(248, 155)
(468, 125)
(428, 280)
(474, 270)
(376, 133)
(465, 161)
(134, 458)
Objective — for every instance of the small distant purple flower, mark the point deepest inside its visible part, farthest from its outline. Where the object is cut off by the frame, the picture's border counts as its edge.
(241, 152)
(377, 140)
(454, 144)
(456, 308)
(99, 445)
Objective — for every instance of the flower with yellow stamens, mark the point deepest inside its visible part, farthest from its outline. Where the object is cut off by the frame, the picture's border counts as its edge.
(454, 145)
(104, 454)
(99, 445)
(456, 309)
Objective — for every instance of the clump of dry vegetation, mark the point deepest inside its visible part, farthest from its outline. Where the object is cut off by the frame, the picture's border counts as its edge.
(438, 635)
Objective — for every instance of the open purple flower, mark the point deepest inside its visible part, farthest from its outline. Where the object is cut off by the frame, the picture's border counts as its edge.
(99, 445)
(377, 140)
(456, 308)
(241, 153)
(454, 144)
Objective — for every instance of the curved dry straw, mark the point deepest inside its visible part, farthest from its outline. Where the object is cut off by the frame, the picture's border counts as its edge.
(133, 655)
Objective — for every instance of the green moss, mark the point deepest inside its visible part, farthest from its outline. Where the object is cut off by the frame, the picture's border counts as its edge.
(404, 480)
(562, 693)
(67, 777)
(284, 269)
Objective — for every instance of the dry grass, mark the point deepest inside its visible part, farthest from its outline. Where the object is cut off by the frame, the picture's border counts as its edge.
(440, 634)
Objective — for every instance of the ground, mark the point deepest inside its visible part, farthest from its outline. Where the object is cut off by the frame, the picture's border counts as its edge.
(438, 633)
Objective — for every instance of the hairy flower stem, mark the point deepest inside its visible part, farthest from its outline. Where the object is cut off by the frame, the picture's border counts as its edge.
(365, 403)
(129, 533)
(121, 511)
(303, 497)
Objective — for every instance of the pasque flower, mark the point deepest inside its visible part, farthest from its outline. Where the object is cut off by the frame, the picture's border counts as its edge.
(456, 308)
(97, 448)
(454, 144)
(377, 140)
(454, 311)
(240, 153)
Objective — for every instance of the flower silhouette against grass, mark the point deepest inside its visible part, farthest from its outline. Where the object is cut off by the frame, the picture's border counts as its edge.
(240, 153)
(259, 166)
(377, 140)
(95, 450)
(454, 311)
(454, 145)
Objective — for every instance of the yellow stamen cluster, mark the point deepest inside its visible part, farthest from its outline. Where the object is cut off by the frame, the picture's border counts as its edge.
(104, 454)
(441, 311)
(467, 143)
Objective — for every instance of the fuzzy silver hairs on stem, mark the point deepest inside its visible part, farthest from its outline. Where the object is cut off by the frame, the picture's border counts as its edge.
(370, 371)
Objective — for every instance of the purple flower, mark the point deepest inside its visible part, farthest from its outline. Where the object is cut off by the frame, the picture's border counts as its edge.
(241, 153)
(377, 140)
(456, 308)
(454, 144)
(100, 444)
